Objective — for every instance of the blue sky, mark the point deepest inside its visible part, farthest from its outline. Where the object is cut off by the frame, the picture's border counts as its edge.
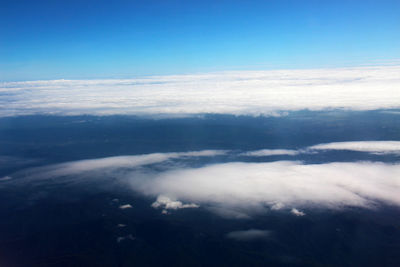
(121, 39)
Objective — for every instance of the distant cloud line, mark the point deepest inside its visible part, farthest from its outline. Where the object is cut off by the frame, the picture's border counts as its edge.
(237, 92)
(134, 161)
(373, 147)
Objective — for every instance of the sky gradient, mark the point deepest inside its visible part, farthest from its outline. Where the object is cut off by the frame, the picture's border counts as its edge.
(124, 39)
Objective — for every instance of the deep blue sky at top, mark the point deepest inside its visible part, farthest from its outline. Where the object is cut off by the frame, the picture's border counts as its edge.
(105, 39)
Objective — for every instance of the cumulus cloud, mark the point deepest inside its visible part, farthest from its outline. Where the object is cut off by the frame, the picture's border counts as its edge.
(166, 204)
(248, 188)
(277, 206)
(375, 147)
(238, 92)
(249, 235)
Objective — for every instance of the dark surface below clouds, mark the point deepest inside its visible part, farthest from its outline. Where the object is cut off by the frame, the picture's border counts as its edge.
(75, 223)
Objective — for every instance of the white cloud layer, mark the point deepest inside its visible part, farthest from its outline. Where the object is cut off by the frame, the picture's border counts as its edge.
(375, 147)
(242, 188)
(240, 92)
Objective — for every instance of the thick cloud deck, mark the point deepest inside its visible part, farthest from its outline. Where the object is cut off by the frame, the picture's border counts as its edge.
(239, 93)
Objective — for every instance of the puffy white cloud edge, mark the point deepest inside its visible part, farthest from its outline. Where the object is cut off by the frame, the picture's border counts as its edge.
(237, 92)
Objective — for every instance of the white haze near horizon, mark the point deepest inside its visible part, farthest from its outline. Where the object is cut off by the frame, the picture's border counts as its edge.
(236, 92)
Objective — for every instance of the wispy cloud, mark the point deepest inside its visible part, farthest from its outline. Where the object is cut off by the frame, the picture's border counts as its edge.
(375, 147)
(5, 178)
(241, 92)
(249, 235)
(125, 206)
(127, 237)
(110, 164)
(271, 152)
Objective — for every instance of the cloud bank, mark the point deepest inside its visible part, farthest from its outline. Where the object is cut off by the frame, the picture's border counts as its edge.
(246, 188)
(239, 93)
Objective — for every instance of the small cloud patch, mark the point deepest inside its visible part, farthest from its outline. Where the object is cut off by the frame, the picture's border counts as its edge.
(166, 204)
(277, 206)
(127, 237)
(297, 212)
(126, 206)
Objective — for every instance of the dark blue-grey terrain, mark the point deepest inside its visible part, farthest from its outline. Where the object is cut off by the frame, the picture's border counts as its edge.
(54, 211)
